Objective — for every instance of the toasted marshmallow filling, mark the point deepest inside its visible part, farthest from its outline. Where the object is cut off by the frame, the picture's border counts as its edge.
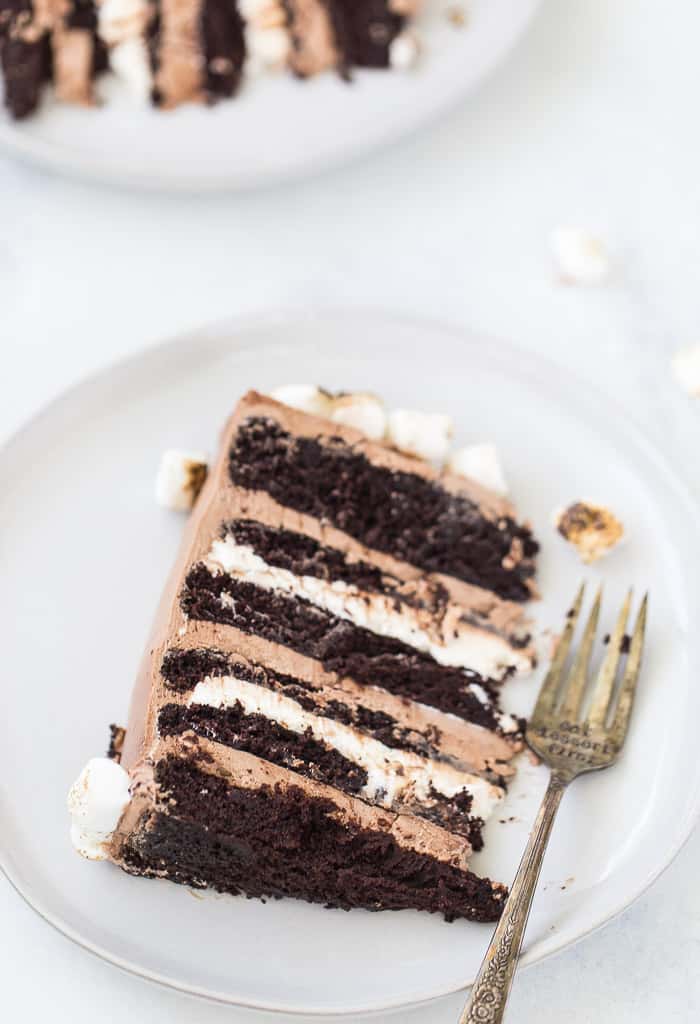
(448, 639)
(393, 776)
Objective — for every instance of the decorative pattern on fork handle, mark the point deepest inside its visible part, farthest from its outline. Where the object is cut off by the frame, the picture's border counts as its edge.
(488, 997)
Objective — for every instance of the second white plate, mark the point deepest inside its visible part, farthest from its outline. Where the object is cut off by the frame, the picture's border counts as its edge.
(85, 551)
(278, 128)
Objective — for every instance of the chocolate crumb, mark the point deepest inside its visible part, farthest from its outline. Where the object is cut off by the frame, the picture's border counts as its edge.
(116, 742)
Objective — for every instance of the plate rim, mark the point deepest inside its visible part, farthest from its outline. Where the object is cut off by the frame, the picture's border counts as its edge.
(56, 158)
(222, 333)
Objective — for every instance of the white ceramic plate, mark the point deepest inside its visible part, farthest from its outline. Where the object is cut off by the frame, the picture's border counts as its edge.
(84, 552)
(279, 128)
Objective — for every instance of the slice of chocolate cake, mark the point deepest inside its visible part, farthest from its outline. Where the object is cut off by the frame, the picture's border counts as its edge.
(317, 714)
(179, 51)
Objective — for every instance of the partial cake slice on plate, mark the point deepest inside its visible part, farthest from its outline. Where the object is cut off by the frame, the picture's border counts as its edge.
(317, 714)
(171, 52)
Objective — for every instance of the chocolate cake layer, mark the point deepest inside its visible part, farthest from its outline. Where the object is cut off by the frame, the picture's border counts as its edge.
(403, 514)
(269, 842)
(340, 646)
(264, 738)
(183, 669)
(364, 31)
(223, 42)
(304, 556)
(26, 59)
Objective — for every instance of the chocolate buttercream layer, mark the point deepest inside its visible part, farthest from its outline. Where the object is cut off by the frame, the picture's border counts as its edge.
(340, 646)
(73, 62)
(274, 841)
(178, 55)
(314, 48)
(403, 513)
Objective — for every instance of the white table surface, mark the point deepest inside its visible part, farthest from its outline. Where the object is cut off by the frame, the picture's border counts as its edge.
(593, 120)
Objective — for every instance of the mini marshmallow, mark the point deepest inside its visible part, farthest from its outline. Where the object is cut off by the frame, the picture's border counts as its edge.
(250, 9)
(580, 257)
(96, 801)
(424, 434)
(479, 462)
(362, 411)
(304, 397)
(129, 61)
(686, 367)
(403, 52)
(267, 47)
(180, 478)
(592, 529)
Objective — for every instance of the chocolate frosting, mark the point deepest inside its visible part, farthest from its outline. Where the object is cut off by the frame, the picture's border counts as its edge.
(180, 73)
(314, 49)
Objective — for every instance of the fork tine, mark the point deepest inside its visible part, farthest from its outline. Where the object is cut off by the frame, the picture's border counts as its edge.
(578, 676)
(629, 680)
(547, 699)
(605, 683)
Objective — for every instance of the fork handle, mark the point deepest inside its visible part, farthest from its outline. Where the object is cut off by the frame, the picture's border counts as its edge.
(487, 1000)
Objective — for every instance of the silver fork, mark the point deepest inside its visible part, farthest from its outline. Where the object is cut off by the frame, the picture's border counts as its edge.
(570, 741)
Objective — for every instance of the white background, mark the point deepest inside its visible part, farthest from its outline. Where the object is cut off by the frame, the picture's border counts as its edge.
(593, 121)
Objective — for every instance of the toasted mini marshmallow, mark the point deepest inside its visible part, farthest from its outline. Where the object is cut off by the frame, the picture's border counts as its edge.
(305, 397)
(686, 367)
(479, 462)
(424, 434)
(180, 478)
(592, 529)
(362, 411)
(579, 256)
(404, 51)
(96, 801)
